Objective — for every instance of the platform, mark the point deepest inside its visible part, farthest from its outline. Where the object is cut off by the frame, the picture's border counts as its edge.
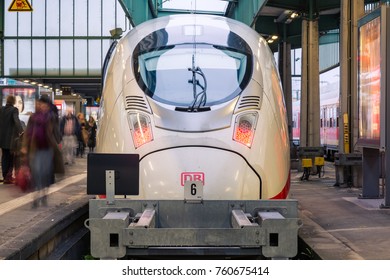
(23, 229)
(337, 225)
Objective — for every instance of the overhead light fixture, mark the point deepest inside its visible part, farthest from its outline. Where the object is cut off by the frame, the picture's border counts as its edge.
(287, 16)
(33, 83)
(270, 38)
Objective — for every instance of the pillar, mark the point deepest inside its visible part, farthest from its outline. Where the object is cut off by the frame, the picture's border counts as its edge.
(310, 95)
(351, 11)
(285, 75)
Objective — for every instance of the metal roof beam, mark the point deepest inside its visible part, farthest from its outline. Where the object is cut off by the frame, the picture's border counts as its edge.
(139, 11)
(245, 11)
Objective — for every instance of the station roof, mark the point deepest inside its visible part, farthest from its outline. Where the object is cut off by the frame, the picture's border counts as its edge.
(282, 18)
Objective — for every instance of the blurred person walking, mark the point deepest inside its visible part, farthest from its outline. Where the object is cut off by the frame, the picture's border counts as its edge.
(70, 131)
(18, 157)
(10, 130)
(55, 119)
(92, 127)
(40, 148)
(83, 139)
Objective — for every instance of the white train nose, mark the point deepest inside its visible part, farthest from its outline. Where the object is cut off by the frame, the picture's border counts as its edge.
(224, 174)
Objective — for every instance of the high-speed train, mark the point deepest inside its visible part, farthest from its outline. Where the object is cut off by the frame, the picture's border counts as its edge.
(199, 98)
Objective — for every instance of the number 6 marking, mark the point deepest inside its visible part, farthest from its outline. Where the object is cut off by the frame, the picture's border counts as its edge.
(193, 189)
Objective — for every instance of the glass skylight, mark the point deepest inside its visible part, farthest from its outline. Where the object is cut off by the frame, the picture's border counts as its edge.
(218, 6)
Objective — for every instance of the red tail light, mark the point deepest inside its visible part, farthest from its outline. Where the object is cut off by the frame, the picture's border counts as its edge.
(244, 129)
(141, 129)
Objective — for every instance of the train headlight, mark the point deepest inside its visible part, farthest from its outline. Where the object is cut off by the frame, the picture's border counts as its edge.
(244, 128)
(141, 129)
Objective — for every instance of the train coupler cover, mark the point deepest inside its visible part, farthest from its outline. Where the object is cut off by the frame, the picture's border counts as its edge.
(127, 226)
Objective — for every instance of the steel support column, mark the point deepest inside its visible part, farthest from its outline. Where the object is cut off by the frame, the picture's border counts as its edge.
(285, 75)
(351, 11)
(2, 15)
(310, 95)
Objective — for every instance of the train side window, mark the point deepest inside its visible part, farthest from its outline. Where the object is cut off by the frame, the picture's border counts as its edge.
(321, 122)
(337, 121)
(331, 122)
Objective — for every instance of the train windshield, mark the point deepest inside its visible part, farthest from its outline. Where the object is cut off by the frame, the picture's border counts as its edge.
(188, 74)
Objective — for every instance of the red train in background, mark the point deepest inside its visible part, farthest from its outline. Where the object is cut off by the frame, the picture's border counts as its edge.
(329, 120)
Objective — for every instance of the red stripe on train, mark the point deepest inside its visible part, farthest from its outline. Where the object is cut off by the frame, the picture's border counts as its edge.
(284, 193)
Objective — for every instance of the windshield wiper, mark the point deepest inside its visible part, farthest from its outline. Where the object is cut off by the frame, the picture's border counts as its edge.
(200, 98)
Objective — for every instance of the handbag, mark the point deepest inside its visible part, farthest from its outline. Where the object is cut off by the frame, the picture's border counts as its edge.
(23, 178)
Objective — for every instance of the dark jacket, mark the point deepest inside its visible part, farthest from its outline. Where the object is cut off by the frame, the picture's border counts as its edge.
(10, 126)
(56, 123)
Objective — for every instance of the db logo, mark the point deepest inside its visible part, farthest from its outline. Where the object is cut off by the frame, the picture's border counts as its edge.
(192, 176)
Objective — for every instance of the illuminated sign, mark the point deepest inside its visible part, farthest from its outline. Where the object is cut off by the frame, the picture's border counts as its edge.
(369, 81)
(25, 97)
